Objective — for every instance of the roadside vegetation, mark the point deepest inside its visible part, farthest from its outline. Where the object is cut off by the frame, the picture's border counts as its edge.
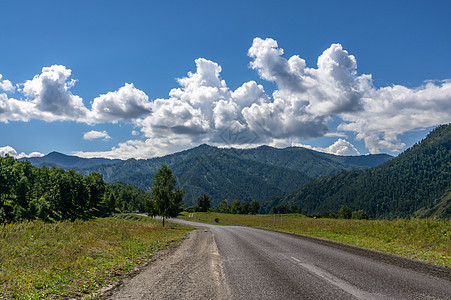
(425, 240)
(67, 259)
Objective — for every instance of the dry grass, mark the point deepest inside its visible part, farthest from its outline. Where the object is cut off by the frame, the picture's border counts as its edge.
(73, 259)
(420, 239)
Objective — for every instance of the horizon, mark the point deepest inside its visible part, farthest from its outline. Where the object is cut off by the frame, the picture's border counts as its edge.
(120, 81)
(220, 147)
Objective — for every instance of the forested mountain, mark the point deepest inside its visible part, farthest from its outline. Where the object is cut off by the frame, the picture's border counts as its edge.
(415, 183)
(244, 174)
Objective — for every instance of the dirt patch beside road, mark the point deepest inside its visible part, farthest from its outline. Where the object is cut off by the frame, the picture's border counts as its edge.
(191, 271)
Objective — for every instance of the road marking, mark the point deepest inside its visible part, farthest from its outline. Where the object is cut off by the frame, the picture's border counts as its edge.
(296, 259)
(347, 287)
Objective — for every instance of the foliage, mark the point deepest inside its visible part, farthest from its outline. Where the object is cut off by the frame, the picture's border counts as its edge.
(67, 260)
(344, 212)
(28, 192)
(238, 207)
(164, 194)
(417, 182)
(203, 203)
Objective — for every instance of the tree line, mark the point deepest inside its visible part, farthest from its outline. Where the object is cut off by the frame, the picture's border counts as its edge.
(203, 204)
(28, 192)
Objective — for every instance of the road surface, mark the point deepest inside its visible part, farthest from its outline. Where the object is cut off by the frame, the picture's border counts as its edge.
(261, 264)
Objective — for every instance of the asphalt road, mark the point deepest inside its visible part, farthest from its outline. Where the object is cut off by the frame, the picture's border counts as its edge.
(261, 264)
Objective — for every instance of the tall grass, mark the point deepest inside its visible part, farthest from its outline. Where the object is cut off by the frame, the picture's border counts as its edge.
(71, 259)
(420, 239)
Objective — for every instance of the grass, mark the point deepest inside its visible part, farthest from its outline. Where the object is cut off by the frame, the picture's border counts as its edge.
(420, 239)
(75, 259)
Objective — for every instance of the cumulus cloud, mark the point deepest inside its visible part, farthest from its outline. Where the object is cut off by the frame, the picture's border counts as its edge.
(48, 98)
(340, 147)
(391, 111)
(6, 85)
(126, 104)
(92, 135)
(10, 151)
(50, 93)
(203, 109)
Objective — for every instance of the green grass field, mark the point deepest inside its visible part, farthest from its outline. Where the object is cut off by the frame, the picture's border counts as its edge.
(420, 239)
(73, 259)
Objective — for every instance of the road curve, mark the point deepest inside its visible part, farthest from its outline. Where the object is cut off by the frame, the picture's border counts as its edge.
(262, 264)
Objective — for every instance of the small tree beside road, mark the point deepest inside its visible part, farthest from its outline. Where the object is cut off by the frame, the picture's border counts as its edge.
(203, 203)
(164, 194)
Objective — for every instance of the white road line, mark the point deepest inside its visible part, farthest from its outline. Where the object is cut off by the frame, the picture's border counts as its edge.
(347, 287)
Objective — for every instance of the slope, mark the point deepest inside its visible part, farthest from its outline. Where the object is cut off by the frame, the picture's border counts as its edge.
(417, 182)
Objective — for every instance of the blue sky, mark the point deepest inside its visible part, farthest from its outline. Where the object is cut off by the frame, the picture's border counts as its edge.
(345, 77)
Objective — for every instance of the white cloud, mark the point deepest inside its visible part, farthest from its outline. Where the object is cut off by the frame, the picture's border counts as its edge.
(340, 147)
(203, 109)
(7, 150)
(6, 85)
(32, 154)
(92, 135)
(50, 93)
(48, 98)
(126, 104)
(391, 111)
(10, 151)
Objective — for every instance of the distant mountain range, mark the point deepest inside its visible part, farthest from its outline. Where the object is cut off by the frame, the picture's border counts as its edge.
(415, 183)
(60, 160)
(222, 173)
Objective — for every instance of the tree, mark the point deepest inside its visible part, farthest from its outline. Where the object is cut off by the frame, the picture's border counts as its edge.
(224, 207)
(203, 203)
(254, 207)
(344, 212)
(360, 215)
(236, 207)
(164, 194)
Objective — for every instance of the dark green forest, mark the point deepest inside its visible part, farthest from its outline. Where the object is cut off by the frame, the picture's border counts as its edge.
(244, 174)
(416, 183)
(28, 192)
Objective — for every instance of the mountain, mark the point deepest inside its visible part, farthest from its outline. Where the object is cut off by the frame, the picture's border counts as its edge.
(60, 160)
(415, 183)
(227, 173)
(222, 173)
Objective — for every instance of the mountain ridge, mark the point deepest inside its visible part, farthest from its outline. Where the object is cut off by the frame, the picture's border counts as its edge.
(415, 183)
(223, 173)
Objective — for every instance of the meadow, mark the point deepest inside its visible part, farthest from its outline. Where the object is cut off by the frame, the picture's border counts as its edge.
(76, 259)
(425, 240)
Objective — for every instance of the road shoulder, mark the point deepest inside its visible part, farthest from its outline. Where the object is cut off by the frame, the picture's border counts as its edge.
(193, 270)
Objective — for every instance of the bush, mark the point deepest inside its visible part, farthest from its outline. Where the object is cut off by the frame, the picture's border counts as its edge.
(359, 215)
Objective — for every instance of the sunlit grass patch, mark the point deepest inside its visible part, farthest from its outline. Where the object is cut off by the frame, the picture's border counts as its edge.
(70, 259)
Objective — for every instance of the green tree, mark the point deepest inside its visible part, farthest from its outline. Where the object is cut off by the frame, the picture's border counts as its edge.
(254, 207)
(236, 207)
(203, 203)
(359, 215)
(164, 194)
(344, 212)
(224, 207)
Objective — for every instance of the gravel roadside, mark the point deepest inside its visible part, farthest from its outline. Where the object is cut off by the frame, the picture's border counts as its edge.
(193, 270)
